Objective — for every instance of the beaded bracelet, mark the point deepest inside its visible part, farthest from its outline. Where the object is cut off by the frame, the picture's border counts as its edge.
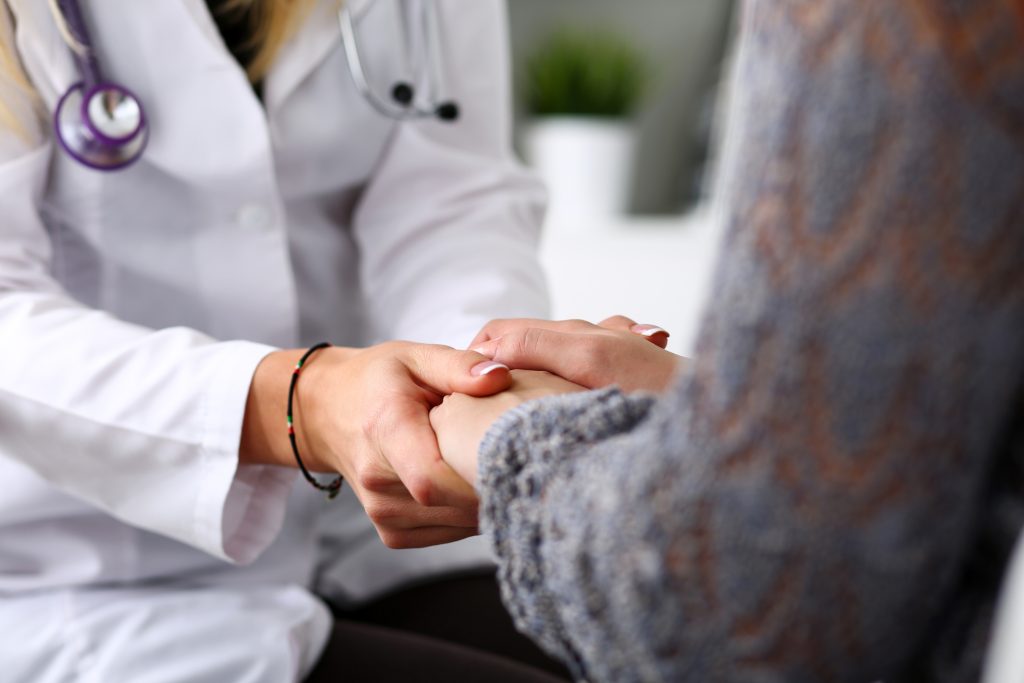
(334, 486)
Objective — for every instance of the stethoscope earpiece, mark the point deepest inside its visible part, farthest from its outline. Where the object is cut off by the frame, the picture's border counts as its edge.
(447, 111)
(403, 94)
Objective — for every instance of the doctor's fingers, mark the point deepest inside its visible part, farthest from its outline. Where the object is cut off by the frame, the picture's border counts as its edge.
(423, 537)
(399, 512)
(402, 435)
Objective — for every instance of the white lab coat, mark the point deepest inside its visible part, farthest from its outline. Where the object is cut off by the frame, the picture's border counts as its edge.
(135, 306)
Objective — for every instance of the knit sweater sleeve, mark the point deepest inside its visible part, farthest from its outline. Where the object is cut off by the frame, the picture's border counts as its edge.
(798, 506)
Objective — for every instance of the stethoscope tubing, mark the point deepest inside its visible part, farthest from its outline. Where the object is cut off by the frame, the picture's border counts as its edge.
(77, 131)
(409, 109)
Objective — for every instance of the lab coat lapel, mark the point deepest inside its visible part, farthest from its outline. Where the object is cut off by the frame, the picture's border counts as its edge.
(197, 98)
(200, 13)
(50, 65)
(311, 44)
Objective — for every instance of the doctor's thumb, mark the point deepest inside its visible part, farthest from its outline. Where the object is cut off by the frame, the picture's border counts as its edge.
(449, 371)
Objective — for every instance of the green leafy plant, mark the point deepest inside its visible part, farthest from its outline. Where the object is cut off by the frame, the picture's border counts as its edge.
(577, 73)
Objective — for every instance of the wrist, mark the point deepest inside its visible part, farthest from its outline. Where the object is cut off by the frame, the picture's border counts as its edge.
(264, 439)
(313, 404)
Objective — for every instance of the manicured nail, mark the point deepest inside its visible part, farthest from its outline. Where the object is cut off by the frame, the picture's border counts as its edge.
(649, 330)
(486, 368)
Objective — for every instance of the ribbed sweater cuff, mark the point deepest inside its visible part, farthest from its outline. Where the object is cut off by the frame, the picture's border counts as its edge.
(526, 451)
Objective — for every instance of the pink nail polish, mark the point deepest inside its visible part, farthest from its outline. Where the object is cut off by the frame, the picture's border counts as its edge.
(649, 330)
(486, 368)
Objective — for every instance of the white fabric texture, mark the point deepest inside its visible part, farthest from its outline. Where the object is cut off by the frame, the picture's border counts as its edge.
(135, 306)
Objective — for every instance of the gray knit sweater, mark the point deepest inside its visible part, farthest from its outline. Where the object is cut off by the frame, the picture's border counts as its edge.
(830, 493)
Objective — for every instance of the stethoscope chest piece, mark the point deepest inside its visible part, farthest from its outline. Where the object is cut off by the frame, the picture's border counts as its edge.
(103, 127)
(98, 123)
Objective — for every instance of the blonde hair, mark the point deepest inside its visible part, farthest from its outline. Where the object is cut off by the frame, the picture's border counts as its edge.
(271, 24)
(13, 81)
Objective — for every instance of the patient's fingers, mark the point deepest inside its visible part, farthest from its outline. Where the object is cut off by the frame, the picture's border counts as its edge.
(498, 328)
(617, 323)
(652, 333)
(580, 358)
(590, 359)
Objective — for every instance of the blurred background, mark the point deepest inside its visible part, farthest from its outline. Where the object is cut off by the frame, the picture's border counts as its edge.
(619, 108)
(681, 44)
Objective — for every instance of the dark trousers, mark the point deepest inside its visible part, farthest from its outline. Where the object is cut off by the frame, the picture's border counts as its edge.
(454, 629)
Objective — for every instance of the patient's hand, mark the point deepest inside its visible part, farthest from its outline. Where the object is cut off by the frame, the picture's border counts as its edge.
(461, 421)
(618, 351)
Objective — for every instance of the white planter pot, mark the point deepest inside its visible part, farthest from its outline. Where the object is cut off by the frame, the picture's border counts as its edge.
(587, 164)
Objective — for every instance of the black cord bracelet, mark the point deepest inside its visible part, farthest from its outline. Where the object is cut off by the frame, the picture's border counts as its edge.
(334, 486)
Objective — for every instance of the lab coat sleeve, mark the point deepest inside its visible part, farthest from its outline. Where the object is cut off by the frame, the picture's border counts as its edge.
(142, 424)
(449, 224)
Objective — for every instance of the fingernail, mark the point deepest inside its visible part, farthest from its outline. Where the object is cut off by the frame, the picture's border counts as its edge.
(649, 330)
(486, 368)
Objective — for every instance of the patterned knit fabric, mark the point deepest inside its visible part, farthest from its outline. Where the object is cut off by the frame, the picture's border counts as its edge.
(830, 493)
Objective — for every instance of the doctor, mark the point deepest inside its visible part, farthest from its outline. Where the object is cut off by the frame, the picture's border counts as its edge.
(277, 186)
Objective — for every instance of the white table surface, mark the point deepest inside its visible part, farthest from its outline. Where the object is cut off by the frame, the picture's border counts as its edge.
(654, 270)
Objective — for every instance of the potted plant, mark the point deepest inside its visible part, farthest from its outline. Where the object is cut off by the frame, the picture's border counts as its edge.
(581, 89)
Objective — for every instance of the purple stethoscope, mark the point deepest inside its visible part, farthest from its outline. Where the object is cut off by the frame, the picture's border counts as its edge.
(103, 125)
(99, 123)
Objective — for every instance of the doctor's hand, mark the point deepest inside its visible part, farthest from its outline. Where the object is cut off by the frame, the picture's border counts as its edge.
(364, 413)
(462, 421)
(617, 351)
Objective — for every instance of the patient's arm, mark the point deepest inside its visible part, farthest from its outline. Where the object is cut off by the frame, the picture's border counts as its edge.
(805, 502)
(461, 420)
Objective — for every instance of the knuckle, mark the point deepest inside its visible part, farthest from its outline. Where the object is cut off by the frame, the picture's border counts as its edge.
(371, 423)
(373, 480)
(395, 540)
(390, 352)
(422, 490)
(617, 321)
(378, 513)
(577, 324)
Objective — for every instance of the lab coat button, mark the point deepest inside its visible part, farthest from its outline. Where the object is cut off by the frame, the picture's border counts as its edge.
(254, 217)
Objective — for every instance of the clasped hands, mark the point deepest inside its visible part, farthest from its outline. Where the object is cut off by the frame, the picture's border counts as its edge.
(403, 422)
